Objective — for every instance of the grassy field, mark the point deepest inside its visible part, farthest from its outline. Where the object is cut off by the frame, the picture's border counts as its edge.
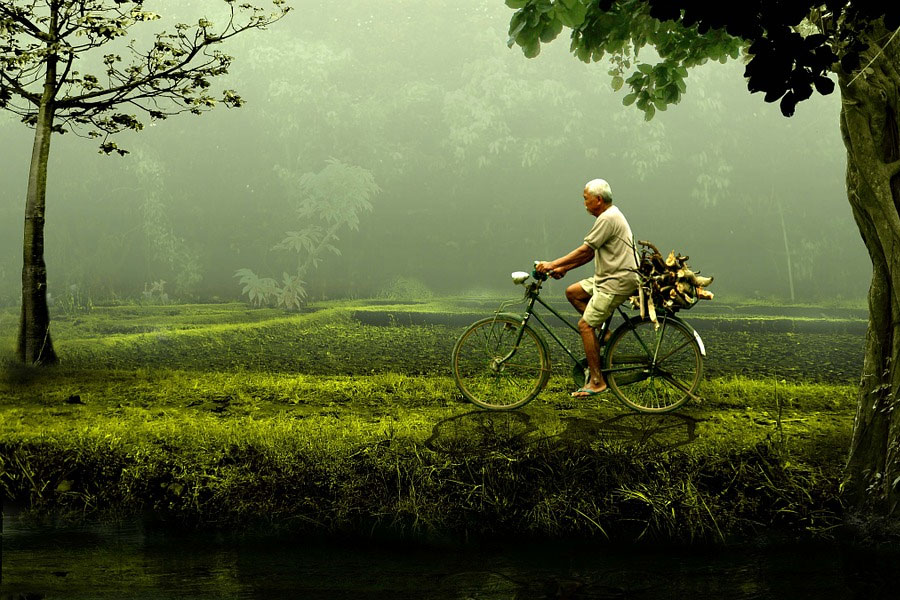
(344, 420)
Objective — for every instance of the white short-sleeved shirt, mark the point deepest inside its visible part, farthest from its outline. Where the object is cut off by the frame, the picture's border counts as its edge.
(614, 257)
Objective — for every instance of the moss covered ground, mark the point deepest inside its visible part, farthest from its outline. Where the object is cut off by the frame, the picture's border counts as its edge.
(337, 421)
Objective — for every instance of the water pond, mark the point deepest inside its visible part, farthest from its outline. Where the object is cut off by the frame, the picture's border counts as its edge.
(136, 561)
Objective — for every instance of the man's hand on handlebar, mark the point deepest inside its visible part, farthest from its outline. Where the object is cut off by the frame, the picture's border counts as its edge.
(543, 266)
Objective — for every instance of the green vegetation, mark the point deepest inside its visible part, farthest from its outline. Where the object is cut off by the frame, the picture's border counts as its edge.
(329, 201)
(331, 426)
(375, 336)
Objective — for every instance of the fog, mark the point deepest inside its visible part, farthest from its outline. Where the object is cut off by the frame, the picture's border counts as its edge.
(442, 160)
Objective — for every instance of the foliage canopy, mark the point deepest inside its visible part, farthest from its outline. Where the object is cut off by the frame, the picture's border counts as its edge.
(792, 46)
(41, 44)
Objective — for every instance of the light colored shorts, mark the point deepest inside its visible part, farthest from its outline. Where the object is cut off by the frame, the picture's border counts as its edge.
(601, 305)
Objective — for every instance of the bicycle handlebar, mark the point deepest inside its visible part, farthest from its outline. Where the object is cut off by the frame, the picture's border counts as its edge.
(538, 276)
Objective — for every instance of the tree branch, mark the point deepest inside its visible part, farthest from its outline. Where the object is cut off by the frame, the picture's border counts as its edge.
(180, 70)
(18, 110)
(30, 27)
(169, 78)
(18, 89)
(126, 87)
(65, 73)
(892, 168)
(182, 65)
(874, 58)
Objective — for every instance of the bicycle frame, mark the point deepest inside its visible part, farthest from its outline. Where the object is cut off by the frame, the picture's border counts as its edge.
(533, 295)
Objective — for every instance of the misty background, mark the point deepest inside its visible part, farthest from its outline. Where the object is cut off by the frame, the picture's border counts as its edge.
(442, 160)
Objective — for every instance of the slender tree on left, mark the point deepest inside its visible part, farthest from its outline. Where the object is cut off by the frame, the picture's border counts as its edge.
(75, 66)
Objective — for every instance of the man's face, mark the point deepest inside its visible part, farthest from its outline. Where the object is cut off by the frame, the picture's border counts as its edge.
(593, 204)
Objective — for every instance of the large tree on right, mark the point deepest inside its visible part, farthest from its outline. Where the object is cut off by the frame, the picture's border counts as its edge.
(793, 47)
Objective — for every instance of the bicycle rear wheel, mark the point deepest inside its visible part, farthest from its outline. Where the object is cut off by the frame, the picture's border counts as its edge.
(494, 373)
(654, 370)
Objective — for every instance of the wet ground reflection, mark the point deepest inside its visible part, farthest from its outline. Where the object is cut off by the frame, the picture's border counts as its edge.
(129, 561)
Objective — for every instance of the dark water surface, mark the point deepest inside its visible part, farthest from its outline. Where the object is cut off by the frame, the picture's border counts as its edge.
(132, 561)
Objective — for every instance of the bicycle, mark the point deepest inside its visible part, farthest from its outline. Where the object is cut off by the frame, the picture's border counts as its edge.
(502, 362)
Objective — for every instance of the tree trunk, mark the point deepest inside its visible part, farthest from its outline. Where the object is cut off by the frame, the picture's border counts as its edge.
(870, 131)
(34, 344)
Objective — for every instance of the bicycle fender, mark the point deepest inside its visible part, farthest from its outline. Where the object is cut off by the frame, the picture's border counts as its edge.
(515, 316)
(696, 337)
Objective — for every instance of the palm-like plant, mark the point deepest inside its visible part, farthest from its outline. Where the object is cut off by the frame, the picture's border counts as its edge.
(329, 201)
(260, 290)
(292, 293)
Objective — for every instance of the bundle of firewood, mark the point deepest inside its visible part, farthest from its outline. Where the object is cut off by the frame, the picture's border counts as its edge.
(667, 282)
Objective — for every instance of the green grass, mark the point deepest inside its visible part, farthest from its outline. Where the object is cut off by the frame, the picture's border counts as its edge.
(334, 338)
(405, 455)
(228, 417)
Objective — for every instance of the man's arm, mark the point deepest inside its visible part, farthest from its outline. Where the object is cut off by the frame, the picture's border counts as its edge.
(581, 255)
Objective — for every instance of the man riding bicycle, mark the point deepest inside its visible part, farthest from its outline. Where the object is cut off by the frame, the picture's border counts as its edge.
(615, 279)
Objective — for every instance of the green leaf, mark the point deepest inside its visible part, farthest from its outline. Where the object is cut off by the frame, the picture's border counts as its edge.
(516, 3)
(648, 114)
(516, 25)
(629, 99)
(617, 83)
(544, 6)
(552, 30)
(528, 36)
(582, 53)
(659, 103)
(532, 49)
(645, 68)
(572, 13)
(673, 96)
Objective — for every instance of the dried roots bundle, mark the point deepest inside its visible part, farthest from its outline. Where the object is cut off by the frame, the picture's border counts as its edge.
(667, 282)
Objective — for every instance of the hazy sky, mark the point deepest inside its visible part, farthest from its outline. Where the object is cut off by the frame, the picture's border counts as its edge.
(479, 156)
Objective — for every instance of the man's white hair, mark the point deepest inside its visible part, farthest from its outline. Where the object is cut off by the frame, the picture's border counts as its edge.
(599, 187)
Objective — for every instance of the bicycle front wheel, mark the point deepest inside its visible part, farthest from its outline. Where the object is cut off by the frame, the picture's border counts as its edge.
(500, 364)
(651, 369)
